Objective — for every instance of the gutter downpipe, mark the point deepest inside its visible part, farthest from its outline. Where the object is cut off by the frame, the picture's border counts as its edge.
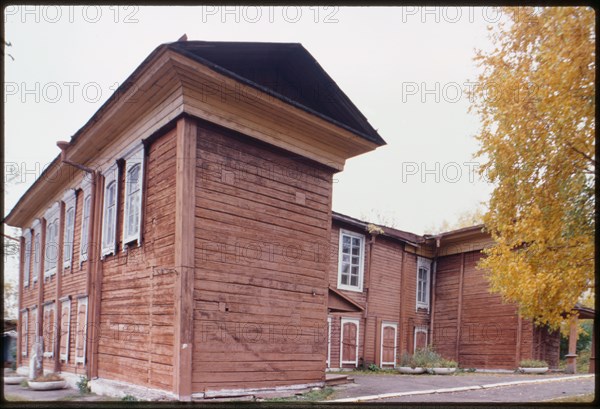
(438, 240)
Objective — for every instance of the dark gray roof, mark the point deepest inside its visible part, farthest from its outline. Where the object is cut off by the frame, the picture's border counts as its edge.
(286, 71)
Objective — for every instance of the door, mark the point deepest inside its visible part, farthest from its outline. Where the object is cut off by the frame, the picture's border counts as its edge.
(349, 341)
(420, 337)
(388, 344)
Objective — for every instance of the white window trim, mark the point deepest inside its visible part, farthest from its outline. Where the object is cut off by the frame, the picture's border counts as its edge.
(35, 313)
(425, 263)
(328, 362)
(65, 303)
(52, 215)
(81, 327)
(420, 328)
(24, 331)
(361, 266)
(51, 306)
(111, 175)
(86, 188)
(36, 228)
(342, 322)
(27, 257)
(70, 201)
(134, 158)
(394, 325)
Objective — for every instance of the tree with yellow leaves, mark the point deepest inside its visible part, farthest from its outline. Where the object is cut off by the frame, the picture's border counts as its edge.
(535, 98)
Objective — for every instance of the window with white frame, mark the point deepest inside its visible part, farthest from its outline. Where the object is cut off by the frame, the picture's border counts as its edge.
(109, 214)
(37, 249)
(27, 257)
(65, 328)
(351, 261)
(85, 218)
(134, 177)
(420, 337)
(49, 329)
(34, 319)
(81, 332)
(69, 233)
(52, 217)
(423, 279)
(24, 332)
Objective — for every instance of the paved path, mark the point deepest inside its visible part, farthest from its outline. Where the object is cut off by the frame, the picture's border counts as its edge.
(367, 386)
(17, 392)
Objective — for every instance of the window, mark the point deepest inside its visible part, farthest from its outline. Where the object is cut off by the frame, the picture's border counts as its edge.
(420, 340)
(133, 197)
(351, 261)
(388, 344)
(109, 215)
(65, 328)
(27, 258)
(69, 234)
(81, 330)
(37, 248)
(423, 274)
(51, 246)
(24, 332)
(349, 341)
(49, 326)
(34, 319)
(85, 227)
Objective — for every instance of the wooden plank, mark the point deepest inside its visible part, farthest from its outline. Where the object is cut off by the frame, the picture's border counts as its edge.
(184, 256)
(460, 300)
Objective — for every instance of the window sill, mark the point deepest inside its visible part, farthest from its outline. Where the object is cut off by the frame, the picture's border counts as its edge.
(347, 288)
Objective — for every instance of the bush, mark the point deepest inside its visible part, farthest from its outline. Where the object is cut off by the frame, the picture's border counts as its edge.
(406, 360)
(533, 363)
(446, 363)
(83, 385)
(24, 383)
(373, 367)
(426, 357)
(51, 377)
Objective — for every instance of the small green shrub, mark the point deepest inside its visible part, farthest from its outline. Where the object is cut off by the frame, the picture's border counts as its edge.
(406, 360)
(532, 363)
(373, 367)
(51, 377)
(426, 357)
(83, 385)
(446, 363)
(129, 398)
(24, 383)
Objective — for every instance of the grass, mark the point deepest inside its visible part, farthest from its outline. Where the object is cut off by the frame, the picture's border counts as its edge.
(312, 396)
(586, 398)
(14, 398)
(583, 362)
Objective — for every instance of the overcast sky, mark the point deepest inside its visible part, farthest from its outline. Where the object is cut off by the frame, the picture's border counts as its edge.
(406, 69)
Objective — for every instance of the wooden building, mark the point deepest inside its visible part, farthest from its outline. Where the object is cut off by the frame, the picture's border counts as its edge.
(411, 291)
(182, 241)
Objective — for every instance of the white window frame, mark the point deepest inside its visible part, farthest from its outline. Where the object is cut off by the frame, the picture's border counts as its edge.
(70, 201)
(109, 243)
(328, 362)
(425, 263)
(65, 303)
(50, 306)
(24, 331)
(394, 325)
(86, 188)
(36, 227)
(81, 327)
(342, 322)
(52, 217)
(420, 328)
(361, 265)
(27, 257)
(35, 321)
(134, 158)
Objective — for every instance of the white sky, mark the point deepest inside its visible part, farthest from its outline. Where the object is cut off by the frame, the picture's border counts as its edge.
(382, 58)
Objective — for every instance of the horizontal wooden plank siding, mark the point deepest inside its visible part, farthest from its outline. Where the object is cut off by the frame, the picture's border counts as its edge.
(262, 216)
(137, 305)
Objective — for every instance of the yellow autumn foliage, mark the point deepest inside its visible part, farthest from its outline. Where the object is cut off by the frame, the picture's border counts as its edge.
(535, 97)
